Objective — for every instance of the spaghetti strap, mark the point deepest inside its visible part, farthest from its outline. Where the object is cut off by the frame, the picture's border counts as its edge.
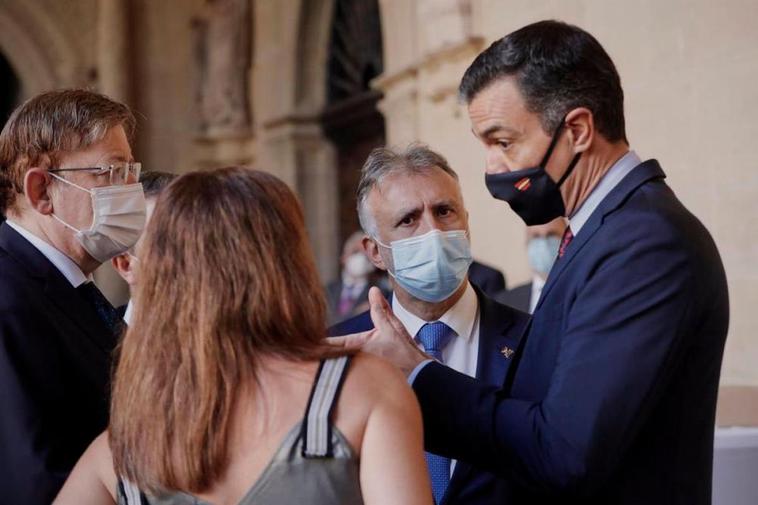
(130, 494)
(317, 426)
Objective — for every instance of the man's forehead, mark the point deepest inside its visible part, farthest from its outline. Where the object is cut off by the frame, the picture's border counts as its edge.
(413, 181)
(500, 107)
(401, 191)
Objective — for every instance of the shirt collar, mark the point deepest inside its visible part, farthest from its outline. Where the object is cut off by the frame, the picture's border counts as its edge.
(538, 282)
(461, 317)
(610, 180)
(63, 263)
(128, 312)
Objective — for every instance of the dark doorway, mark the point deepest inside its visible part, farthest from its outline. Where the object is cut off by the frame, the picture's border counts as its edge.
(351, 119)
(10, 88)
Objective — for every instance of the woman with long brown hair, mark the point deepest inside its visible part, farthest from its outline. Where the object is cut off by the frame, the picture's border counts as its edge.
(224, 390)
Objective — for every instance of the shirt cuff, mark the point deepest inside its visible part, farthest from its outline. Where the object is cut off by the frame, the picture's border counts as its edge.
(417, 370)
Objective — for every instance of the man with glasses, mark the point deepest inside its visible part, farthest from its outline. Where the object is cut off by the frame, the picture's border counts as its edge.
(68, 186)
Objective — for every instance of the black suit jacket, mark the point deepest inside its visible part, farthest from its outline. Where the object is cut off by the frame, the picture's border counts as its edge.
(500, 330)
(612, 398)
(55, 358)
(518, 297)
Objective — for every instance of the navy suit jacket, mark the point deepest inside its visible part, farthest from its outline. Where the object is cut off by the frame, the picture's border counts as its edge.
(54, 373)
(612, 396)
(488, 279)
(500, 328)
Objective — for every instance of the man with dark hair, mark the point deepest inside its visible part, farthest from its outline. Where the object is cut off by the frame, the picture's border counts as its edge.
(126, 264)
(611, 397)
(68, 185)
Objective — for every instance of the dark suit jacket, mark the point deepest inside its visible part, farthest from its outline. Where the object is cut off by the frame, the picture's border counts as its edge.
(612, 397)
(500, 328)
(518, 297)
(54, 370)
(488, 279)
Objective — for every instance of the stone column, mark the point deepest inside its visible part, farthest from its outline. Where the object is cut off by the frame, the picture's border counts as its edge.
(114, 80)
(113, 60)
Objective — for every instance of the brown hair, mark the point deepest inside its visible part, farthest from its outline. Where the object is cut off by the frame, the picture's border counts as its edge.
(49, 124)
(227, 276)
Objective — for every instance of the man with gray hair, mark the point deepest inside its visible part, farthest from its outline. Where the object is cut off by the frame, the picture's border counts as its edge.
(411, 208)
(68, 185)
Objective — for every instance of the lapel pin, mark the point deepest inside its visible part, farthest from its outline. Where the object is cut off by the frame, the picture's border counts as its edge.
(507, 352)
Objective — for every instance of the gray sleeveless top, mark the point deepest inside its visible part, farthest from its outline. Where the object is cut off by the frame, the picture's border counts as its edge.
(314, 465)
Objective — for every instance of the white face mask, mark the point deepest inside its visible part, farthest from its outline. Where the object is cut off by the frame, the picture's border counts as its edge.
(431, 267)
(358, 266)
(118, 218)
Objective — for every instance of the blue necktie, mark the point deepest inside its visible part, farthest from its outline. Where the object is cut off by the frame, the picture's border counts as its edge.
(434, 337)
(102, 306)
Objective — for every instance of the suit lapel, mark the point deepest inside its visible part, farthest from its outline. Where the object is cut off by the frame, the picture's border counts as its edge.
(641, 174)
(57, 289)
(498, 341)
(64, 297)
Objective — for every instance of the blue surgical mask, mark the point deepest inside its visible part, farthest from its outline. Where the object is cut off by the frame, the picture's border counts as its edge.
(542, 252)
(431, 267)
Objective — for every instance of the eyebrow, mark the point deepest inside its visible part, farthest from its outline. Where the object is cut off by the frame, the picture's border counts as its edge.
(415, 211)
(118, 156)
(496, 128)
(404, 213)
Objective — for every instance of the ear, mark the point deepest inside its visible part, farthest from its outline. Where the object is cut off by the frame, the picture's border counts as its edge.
(123, 265)
(371, 248)
(36, 190)
(580, 124)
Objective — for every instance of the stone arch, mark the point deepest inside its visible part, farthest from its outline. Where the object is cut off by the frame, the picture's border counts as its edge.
(311, 56)
(36, 50)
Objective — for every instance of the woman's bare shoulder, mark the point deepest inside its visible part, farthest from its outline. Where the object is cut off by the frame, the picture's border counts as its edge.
(375, 380)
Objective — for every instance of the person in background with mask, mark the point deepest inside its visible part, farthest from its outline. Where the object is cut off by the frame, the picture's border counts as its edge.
(68, 185)
(127, 264)
(348, 296)
(542, 244)
(411, 208)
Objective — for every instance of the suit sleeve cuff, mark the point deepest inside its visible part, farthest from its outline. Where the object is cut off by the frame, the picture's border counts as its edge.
(417, 370)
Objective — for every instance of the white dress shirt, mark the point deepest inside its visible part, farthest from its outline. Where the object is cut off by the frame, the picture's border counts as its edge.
(63, 263)
(128, 312)
(462, 351)
(610, 180)
(537, 284)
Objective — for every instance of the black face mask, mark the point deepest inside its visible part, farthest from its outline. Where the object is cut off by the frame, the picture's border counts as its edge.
(531, 192)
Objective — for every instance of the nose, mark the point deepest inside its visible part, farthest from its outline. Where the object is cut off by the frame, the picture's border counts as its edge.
(131, 178)
(494, 162)
(427, 223)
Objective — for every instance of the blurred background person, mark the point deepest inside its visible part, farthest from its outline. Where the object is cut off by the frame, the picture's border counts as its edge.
(68, 183)
(542, 243)
(348, 296)
(232, 397)
(488, 279)
(126, 264)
